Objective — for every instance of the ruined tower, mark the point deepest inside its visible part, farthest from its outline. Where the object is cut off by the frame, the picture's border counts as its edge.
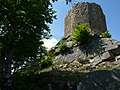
(85, 12)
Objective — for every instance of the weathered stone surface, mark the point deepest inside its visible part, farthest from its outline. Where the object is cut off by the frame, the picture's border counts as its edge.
(102, 80)
(94, 80)
(117, 58)
(69, 44)
(112, 47)
(85, 13)
(105, 56)
(97, 50)
(99, 58)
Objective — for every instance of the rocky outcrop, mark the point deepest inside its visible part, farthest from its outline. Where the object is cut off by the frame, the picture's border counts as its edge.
(97, 64)
(85, 13)
(97, 51)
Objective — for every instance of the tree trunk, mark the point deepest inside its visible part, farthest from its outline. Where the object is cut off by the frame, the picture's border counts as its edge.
(8, 80)
(1, 69)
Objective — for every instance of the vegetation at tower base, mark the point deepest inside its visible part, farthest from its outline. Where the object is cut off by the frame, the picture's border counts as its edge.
(62, 47)
(106, 34)
(82, 33)
(47, 61)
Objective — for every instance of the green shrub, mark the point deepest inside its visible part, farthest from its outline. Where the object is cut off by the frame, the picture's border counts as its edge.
(81, 33)
(47, 60)
(46, 63)
(63, 47)
(105, 67)
(82, 61)
(106, 34)
(33, 68)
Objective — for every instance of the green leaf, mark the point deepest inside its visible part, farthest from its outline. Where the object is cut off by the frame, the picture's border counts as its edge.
(20, 12)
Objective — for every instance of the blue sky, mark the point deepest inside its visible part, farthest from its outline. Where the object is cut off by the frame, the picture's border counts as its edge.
(111, 9)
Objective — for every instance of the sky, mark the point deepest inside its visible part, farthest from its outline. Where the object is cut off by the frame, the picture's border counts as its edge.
(111, 9)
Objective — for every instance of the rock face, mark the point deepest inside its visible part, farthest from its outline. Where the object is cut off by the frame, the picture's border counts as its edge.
(96, 51)
(96, 81)
(85, 13)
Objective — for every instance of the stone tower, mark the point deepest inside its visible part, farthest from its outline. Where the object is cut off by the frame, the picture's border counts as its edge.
(85, 12)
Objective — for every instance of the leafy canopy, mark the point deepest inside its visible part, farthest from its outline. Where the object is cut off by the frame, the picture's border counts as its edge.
(23, 25)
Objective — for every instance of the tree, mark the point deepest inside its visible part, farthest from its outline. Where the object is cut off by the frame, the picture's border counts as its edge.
(23, 25)
(67, 1)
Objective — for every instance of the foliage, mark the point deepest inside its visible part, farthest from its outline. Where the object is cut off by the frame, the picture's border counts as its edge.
(81, 33)
(25, 82)
(105, 67)
(82, 61)
(48, 60)
(67, 1)
(29, 73)
(25, 32)
(23, 25)
(35, 67)
(106, 34)
(63, 46)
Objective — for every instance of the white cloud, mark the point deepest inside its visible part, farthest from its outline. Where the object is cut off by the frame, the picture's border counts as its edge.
(49, 43)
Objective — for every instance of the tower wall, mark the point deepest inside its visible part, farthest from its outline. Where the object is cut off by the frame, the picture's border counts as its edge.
(85, 13)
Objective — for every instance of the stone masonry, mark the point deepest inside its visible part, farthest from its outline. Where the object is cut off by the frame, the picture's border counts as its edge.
(85, 12)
